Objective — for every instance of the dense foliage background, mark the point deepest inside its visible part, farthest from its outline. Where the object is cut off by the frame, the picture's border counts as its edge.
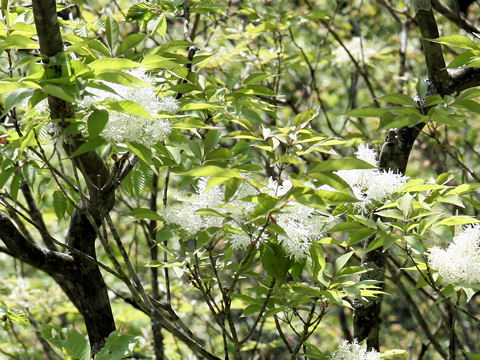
(229, 179)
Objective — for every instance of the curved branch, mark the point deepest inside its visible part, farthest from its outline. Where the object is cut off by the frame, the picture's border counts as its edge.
(454, 17)
(29, 252)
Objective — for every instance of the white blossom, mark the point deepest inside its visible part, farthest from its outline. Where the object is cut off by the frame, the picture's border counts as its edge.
(366, 154)
(123, 127)
(371, 184)
(274, 188)
(459, 263)
(354, 351)
(186, 216)
(239, 241)
(302, 225)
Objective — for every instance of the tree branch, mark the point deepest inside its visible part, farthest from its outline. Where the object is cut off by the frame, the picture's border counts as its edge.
(29, 252)
(436, 67)
(456, 18)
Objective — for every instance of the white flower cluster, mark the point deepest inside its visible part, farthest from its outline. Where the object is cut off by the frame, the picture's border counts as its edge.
(354, 351)
(459, 263)
(300, 223)
(186, 215)
(361, 51)
(129, 128)
(302, 226)
(371, 184)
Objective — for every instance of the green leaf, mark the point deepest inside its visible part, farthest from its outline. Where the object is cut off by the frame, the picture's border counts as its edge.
(59, 204)
(201, 106)
(63, 92)
(458, 220)
(9, 86)
(173, 45)
(109, 64)
(318, 259)
(433, 100)
(15, 98)
(143, 213)
(350, 270)
(143, 153)
(473, 356)
(463, 59)
(422, 187)
(219, 154)
(88, 146)
(138, 11)
(5, 176)
(111, 32)
(130, 42)
(394, 352)
(367, 112)
(254, 90)
(69, 341)
(30, 172)
(347, 227)
(17, 41)
(138, 181)
(76, 345)
(342, 260)
(211, 140)
(346, 163)
(399, 99)
(275, 261)
(118, 346)
(305, 117)
(231, 187)
(459, 41)
(256, 77)
(251, 309)
(213, 171)
(266, 204)
(161, 27)
(129, 107)
(96, 122)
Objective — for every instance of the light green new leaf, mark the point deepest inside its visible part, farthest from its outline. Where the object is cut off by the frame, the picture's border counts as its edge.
(346, 163)
(213, 171)
(143, 213)
(256, 77)
(305, 117)
(129, 107)
(367, 112)
(399, 99)
(342, 260)
(318, 259)
(111, 32)
(201, 106)
(130, 42)
(96, 122)
(459, 41)
(63, 92)
(458, 220)
(16, 41)
(109, 64)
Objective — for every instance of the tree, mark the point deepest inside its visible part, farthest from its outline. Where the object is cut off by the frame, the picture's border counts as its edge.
(191, 163)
